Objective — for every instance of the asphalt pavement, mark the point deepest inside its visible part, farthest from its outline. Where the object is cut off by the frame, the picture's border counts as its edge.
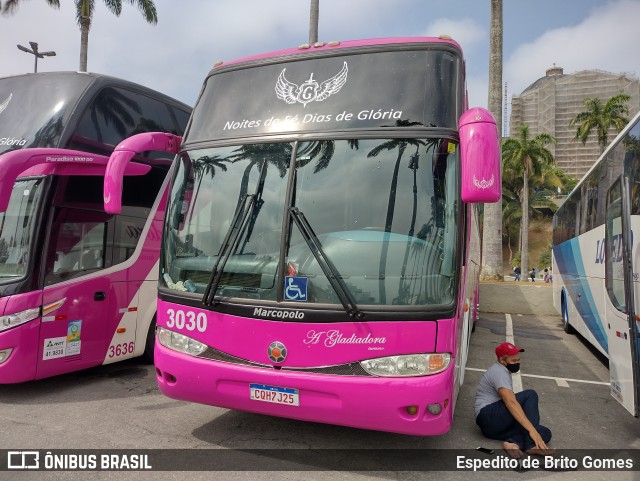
(119, 407)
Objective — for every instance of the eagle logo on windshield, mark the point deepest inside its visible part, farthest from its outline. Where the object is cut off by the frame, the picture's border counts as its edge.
(310, 90)
(4, 104)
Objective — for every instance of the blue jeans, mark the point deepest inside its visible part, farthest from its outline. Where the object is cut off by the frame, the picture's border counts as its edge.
(496, 422)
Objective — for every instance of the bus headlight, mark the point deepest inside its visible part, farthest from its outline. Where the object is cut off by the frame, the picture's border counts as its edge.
(408, 365)
(180, 342)
(13, 320)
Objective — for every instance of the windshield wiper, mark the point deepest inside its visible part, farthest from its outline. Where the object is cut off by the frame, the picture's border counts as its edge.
(228, 244)
(234, 234)
(329, 269)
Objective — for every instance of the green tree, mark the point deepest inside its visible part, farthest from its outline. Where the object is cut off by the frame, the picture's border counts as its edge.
(528, 157)
(601, 118)
(511, 216)
(84, 15)
(550, 179)
(492, 221)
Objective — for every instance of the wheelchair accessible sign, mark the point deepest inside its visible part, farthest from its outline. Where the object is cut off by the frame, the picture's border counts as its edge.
(295, 288)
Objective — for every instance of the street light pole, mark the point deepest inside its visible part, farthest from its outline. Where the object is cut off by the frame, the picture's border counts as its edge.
(314, 15)
(34, 51)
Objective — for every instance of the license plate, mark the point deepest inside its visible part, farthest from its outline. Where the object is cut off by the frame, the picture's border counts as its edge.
(274, 394)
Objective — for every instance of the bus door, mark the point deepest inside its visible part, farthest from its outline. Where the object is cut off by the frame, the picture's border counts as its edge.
(77, 301)
(620, 303)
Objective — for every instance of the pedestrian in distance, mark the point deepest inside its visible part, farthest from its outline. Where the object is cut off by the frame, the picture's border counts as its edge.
(532, 274)
(510, 417)
(546, 275)
(516, 273)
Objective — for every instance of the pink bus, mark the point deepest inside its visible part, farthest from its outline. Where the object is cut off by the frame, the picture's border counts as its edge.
(320, 253)
(78, 286)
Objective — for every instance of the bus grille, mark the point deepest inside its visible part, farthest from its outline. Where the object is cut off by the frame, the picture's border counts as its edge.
(350, 369)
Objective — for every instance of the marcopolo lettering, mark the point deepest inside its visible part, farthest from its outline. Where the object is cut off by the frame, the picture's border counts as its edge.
(278, 313)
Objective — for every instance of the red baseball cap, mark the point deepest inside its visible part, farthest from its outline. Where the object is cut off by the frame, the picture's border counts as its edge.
(507, 349)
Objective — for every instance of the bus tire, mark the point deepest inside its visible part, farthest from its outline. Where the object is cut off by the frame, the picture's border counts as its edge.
(150, 343)
(565, 317)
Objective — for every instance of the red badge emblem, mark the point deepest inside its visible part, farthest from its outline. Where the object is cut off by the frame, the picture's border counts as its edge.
(277, 352)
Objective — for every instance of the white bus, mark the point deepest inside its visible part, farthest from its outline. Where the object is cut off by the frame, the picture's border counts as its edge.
(595, 261)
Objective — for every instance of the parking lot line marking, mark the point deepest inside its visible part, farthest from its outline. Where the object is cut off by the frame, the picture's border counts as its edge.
(509, 329)
(517, 380)
(562, 382)
(558, 380)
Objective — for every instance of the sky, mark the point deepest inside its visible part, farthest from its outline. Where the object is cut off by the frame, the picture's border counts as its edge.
(175, 55)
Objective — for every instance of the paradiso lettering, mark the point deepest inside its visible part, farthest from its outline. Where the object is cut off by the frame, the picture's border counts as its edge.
(335, 337)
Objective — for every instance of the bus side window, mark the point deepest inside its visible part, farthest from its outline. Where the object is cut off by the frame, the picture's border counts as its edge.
(138, 195)
(117, 113)
(632, 167)
(77, 244)
(182, 118)
(614, 273)
(128, 231)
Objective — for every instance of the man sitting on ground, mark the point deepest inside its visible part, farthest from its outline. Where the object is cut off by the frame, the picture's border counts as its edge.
(503, 415)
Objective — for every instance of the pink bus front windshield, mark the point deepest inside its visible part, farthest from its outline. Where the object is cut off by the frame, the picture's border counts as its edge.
(318, 262)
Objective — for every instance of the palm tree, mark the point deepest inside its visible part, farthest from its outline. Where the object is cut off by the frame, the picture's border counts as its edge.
(511, 220)
(492, 223)
(84, 15)
(527, 156)
(550, 178)
(206, 165)
(116, 109)
(313, 21)
(259, 157)
(511, 207)
(10, 6)
(601, 118)
(401, 145)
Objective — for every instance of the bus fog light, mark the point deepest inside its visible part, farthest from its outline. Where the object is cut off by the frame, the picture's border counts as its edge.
(412, 410)
(4, 354)
(180, 342)
(13, 320)
(434, 408)
(408, 365)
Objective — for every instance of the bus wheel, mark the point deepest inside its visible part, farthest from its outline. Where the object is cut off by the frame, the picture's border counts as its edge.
(150, 342)
(565, 317)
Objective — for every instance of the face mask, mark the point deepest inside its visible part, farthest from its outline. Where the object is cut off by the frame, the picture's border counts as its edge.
(513, 367)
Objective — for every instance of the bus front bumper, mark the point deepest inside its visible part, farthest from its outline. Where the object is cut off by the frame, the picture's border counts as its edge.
(19, 353)
(396, 405)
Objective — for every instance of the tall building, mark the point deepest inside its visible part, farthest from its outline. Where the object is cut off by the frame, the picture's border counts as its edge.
(549, 104)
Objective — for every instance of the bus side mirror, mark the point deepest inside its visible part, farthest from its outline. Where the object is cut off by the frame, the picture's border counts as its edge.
(122, 155)
(480, 157)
